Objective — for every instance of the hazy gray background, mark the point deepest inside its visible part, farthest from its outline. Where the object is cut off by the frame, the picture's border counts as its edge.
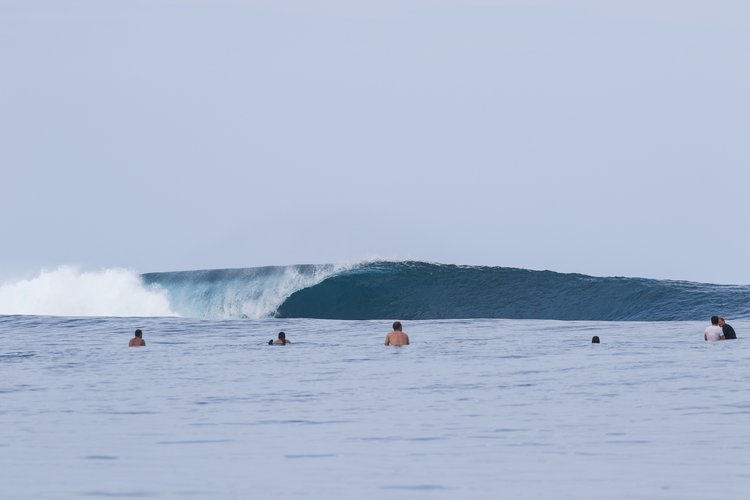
(608, 138)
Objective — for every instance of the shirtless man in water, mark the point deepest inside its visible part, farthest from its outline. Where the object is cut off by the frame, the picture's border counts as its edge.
(397, 337)
(280, 341)
(137, 341)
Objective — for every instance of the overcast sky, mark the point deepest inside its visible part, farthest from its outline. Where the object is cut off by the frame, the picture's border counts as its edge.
(606, 138)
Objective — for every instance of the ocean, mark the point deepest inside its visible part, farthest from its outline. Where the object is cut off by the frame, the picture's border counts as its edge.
(474, 408)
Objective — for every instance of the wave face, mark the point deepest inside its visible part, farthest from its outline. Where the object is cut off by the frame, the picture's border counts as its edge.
(419, 290)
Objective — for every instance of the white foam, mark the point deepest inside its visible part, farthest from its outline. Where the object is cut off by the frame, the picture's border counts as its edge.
(262, 297)
(67, 291)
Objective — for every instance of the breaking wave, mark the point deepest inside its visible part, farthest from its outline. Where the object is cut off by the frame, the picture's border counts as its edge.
(370, 290)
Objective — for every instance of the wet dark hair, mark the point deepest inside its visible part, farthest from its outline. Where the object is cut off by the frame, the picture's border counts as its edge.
(138, 333)
(397, 326)
(714, 320)
(595, 339)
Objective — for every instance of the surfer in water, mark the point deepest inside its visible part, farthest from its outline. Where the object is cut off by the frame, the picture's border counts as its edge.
(137, 341)
(280, 341)
(397, 337)
(729, 333)
(713, 332)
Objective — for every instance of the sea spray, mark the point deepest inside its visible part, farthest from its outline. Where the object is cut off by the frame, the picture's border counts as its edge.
(66, 291)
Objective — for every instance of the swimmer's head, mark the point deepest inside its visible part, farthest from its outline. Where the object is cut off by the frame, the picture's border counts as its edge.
(138, 333)
(714, 320)
(282, 335)
(397, 326)
(595, 339)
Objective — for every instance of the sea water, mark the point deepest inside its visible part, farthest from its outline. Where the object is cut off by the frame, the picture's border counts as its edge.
(472, 409)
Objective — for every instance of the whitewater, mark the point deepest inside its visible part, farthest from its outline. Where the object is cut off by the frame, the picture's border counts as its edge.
(475, 408)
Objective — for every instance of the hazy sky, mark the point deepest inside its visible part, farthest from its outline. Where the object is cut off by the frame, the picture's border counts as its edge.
(607, 138)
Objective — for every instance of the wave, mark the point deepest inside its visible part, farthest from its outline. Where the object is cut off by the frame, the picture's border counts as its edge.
(370, 290)
(420, 290)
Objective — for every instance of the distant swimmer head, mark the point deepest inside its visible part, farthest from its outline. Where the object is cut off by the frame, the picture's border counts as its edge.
(282, 336)
(714, 320)
(397, 326)
(595, 339)
(138, 333)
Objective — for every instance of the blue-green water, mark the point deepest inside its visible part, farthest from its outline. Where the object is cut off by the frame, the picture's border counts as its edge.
(419, 290)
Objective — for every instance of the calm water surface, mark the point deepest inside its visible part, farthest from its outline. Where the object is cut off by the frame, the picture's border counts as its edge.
(474, 409)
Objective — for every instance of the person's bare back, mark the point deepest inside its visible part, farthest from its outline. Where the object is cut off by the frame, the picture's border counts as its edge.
(137, 341)
(397, 337)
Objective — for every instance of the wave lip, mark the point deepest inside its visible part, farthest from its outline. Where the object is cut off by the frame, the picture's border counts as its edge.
(67, 291)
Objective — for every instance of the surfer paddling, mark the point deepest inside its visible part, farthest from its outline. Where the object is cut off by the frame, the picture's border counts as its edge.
(397, 337)
(280, 341)
(137, 341)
